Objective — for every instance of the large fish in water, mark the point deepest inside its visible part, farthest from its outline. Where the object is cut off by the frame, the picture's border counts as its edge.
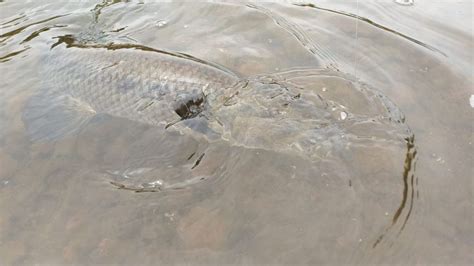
(156, 88)
(312, 113)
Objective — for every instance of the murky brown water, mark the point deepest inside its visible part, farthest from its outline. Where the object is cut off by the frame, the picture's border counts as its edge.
(217, 133)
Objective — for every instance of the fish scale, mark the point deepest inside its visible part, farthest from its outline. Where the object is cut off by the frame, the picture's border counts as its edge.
(121, 82)
(144, 86)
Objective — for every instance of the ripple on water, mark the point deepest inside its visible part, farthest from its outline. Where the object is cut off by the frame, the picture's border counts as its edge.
(319, 138)
(317, 114)
(405, 2)
(344, 128)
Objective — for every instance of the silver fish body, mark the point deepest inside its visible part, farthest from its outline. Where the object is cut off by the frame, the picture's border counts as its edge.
(286, 112)
(145, 86)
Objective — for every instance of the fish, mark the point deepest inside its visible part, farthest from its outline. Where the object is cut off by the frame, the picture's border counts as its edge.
(276, 112)
(152, 87)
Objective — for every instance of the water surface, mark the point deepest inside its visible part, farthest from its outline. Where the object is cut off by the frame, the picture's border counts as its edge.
(339, 132)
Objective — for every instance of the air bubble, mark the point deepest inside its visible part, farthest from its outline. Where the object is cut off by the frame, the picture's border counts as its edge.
(343, 115)
(157, 183)
(161, 23)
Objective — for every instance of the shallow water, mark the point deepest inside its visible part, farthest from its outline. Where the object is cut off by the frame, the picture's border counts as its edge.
(347, 138)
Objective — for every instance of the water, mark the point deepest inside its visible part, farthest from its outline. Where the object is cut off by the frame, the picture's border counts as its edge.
(343, 133)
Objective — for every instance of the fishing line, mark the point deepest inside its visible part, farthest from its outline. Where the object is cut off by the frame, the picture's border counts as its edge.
(356, 38)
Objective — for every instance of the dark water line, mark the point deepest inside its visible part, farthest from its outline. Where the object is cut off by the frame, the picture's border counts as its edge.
(198, 161)
(379, 239)
(9, 56)
(20, 29)
(70, 41)
(10, 21)
(411, 205)
(119, 29)
(375, 24)
(297, 33)
(412, 181)
(408, 184)
(409, 160)
(191, 156)
(37, 33)
(402, 204)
